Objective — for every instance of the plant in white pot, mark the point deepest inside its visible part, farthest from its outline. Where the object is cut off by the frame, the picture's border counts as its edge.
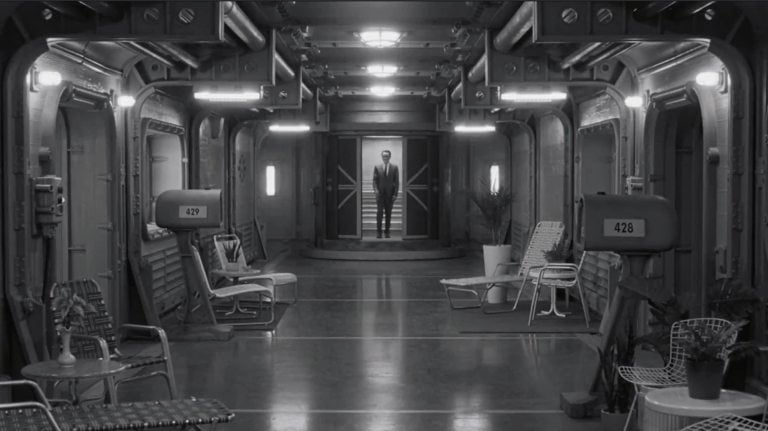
(706, 350)
(494, 207)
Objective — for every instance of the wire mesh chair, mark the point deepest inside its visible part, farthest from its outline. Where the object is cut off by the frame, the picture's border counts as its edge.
(727, 422)
(673, 373)
(96, 337)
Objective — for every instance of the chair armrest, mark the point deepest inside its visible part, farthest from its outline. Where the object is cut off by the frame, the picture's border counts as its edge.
(33, 405)
(35, 388)
(102, 343)
(154, 330)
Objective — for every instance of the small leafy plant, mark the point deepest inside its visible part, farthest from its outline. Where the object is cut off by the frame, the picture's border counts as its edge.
(231, 250)
(69, 307)
(494, 207)
(560, 251)
(704, 344)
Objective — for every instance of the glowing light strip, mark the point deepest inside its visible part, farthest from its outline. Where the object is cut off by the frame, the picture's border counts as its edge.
(244, 96)
(289, 128)
(474, 128)
(534, 97)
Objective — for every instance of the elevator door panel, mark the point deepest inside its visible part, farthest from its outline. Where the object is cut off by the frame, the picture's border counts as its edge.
(420, 188)
(343, 187)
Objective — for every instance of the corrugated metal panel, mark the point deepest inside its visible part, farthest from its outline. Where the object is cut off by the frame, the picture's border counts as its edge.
(518, 239)
(247, 235)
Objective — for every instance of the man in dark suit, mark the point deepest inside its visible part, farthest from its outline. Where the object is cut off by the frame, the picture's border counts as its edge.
(386, 182)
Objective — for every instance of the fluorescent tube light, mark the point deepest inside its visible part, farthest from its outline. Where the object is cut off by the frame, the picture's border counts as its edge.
(380, 38)
(48, 78)
(288, 128)
(244, 96)
(126, 101)
(382, 90)
(270, 180)
(708, 79)
(534, 97)
(474, 128)
(381, 70)
(633, 101)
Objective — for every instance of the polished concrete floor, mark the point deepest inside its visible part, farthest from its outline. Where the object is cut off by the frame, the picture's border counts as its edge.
(368, 347)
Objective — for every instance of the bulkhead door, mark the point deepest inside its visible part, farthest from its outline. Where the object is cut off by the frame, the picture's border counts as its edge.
(343, 188)
(420, 179)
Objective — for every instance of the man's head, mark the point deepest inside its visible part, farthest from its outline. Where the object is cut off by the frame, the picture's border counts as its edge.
(385, 155)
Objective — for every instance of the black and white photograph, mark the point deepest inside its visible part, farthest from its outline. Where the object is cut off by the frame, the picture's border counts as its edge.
(384, 215)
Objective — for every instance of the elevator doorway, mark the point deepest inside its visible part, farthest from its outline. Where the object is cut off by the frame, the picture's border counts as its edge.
(371, 156)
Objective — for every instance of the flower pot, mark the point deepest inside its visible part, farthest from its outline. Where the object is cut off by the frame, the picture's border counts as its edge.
(705, 379)
(66, 358)
(492, 256)
(232, 266)
(612, 421)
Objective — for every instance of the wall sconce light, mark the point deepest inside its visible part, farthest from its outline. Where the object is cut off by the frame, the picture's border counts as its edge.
(126, 101)
(633, 101)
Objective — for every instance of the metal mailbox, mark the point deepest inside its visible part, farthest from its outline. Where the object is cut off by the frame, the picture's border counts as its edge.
(621, 223)
(188, 209)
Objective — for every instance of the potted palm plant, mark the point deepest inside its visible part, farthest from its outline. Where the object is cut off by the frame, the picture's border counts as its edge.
(232, 253)
(69, 310)
(706, 350)
(494, 204)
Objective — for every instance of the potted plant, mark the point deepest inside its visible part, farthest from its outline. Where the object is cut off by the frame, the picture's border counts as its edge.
(560, 251)
(494, 207)
(69, 310)
(706, 350)
(232, 253)
(618, 392)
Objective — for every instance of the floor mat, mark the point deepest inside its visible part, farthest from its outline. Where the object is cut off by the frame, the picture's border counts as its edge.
(250, 322)
(473, 320)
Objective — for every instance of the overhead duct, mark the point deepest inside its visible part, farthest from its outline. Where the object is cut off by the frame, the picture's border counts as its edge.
(104, 8)
(508, 36)
(282, 69)
(652, 9)
(241, 25)
(68, 9)
(609, 53)
(306, 93)
(179, 53)
(689, 8)
(582, 52)
(516, 27)
(141, 49)
(84, 61)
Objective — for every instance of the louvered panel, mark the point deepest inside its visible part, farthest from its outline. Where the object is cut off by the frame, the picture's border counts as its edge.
(248, 240)
(518, 238)
(168, 283)
(597, 274)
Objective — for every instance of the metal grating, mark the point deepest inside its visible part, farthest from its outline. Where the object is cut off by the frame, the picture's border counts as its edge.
(727, 422)
(597, 275)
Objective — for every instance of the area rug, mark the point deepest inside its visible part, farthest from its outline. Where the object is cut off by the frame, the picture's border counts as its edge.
(474, 321)
(250, 322)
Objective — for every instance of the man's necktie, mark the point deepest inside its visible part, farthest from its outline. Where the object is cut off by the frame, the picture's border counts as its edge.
(386, 169)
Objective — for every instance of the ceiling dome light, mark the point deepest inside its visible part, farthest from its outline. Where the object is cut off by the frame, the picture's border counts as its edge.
(48, 78)
(633, 101)
(381, 70)
(380, 38)
(126, 101)
(382, 90)
(534, 97)
(474, 128)
(708, 79)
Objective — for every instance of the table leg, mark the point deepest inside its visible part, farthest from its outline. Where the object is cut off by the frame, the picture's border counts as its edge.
(552, 304)
(109, 382)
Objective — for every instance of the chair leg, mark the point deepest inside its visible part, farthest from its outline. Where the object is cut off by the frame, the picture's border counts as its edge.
(631, 409)
(461, 307)
(520, 292)
(581, 298)
(534, 301)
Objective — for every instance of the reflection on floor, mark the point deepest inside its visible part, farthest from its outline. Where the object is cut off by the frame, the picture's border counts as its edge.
(368, 347)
